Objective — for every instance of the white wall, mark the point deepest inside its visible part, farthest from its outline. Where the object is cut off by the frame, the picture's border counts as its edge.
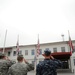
(72, 62)
(30, 57)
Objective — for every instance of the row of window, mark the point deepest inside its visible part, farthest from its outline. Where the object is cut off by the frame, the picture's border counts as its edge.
(26, 52)
(33, 51)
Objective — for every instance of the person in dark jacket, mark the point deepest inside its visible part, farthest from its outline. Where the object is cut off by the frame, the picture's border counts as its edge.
(49, 65)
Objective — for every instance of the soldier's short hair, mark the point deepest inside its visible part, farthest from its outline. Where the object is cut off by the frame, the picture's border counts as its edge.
(47, 52)
(20, 57)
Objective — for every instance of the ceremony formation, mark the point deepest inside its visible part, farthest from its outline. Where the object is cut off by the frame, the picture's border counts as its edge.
(45, 59)
(37, 37)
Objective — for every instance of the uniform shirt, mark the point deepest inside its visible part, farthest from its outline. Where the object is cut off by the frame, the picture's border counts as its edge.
(4, 66)
(20, 69)
(48, 67)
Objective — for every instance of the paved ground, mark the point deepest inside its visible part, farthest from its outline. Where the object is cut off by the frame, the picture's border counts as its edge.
(33, 73)
(65, 74)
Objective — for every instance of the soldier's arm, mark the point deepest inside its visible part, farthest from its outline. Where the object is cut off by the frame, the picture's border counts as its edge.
(57, 63)
(10, 62)
(29, 66)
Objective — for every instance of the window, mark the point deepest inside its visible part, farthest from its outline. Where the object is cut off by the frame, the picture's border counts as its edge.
(74, 62)
(32, 52)
(9, 53)
(62, 49)
(20, 52)
(14, 53)
(54, 49)
(26, 52)
(40, 51)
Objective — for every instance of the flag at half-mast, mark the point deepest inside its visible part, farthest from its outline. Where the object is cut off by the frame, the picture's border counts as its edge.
(70, 44)
(17, 51)
(38, 47)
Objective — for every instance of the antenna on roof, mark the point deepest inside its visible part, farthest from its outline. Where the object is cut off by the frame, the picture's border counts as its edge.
(62, 37)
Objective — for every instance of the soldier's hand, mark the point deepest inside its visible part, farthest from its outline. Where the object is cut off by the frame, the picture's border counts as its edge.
(25, 60)
(7, 58)
(51, 57)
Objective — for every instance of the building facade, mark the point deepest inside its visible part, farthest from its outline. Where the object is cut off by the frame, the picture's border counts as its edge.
(60, 50)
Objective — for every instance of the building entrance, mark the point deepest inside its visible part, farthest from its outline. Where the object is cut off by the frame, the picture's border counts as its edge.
(65, 65)
(64, 57)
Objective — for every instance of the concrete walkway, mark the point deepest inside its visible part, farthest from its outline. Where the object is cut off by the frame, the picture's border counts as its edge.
(63, 73)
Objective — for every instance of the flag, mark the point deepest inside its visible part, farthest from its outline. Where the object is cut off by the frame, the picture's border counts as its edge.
(70, 44)
(17, 51)
(38, 47)
(37, 53)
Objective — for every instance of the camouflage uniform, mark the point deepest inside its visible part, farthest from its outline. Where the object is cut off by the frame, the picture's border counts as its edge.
(20, 68)
(48, 66)
(4, 65)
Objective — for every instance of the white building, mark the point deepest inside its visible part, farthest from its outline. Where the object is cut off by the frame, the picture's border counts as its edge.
(60, 50)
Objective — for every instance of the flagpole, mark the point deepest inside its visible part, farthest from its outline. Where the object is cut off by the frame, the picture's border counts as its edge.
(35, 60)
(4, 41)
(69, 47)
(69, 40)
(38, 49)
(17, 45)
(70, 44)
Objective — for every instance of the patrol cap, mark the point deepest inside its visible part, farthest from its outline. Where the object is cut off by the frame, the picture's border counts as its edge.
(2, 54)
(47, 52)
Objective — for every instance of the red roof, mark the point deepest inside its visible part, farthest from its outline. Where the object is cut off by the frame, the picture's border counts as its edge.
(61, 55)
(6, 49)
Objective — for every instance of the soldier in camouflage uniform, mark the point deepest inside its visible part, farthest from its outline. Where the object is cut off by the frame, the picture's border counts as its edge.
(20, 68)
(5, 63)
(49, 65)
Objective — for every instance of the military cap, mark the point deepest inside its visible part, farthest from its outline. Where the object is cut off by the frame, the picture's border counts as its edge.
(47, 52)
(2, 54)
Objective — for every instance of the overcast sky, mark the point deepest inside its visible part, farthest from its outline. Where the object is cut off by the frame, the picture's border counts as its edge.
(28, 18)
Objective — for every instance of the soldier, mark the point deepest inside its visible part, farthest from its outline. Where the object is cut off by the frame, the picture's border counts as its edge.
(49, 65)
(20, 68)
(5, 63)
